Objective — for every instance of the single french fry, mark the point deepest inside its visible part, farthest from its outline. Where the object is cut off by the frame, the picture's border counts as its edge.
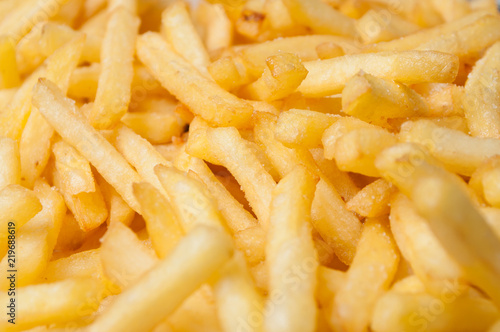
(10, 168)
(76, 130)
(376, 258)
(338, 129)
(283, 75)
(9, 75)
(229, 72)
(85, 264)
(320, 17)
(204, 97)
(156, 127)
(37, 238)
(482, 95)
(327, 77)
(375, 100)
(83, 82)
(443, 99)
(456, 150)
(54, 303)
(162, 224)
(469, 41)
(160, 291)
(236, 297)
(420, 247)
(290, 249)
(377, 26)
(117, 55)
(373, 200)
(217, 28)
(234, 154)
(304, 47)
(124, 257)
(178, 30)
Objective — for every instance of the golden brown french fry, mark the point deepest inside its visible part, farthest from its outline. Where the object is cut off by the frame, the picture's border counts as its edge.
(203, 97)
(320, 17)
(197, 255)
(482, 95)
(327, 77)
(9, 75)
(162, 224)
(420, 247)
(373, 200)
(37, 238)
(456, 150)
(83, 81)
(341, 127)
(10, 168)
(255, 55)
(117, 55)
(191, 201)
(217, 28)
(469, 41)
(236, 297)
(377, 259)
(381, 25)
(415, 310)
(283, 75)
(179, 31)
(443, 99)
(229, 72)
(156, 127)
(233, 153)
(124, 257)
(411, 41)
(197, 144)
(54, 303)
(375, 100)
(329, 50)
(74, 178)
(20, 21)
(76, 130)
(290, 249)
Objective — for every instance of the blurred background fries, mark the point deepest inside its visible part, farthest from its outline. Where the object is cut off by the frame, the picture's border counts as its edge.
(250, 165)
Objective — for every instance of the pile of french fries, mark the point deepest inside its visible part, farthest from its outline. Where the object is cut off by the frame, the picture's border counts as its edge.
(255, 166)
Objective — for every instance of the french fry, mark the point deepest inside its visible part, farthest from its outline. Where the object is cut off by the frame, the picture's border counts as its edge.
(376, 26)
(483, 181)
(85, 264)
(75, 180)
(329, 50)
(290, 249)
(330, 282)
(129, 5)
(9, 75)
(117, 54)
(338, 129)
(283, 75)
(420, 247)
(83, 81)
(236, 294)
(375, 100)
(118, 209)
(207, 247)
(473, 35)
(10, 168)
(17, 206)
(124, 257)
(234, 154)
(443, 99)
(410, 311)
(255, 55)
(327, 77)
(373, 200)
(411, 41)
(229, 72)
(75, 130)
(156, 127)
(356, 150)
(320, 17)
(37, 238)
(210, 101)
(482, 95)
(463, 156)
(218, 29)
(178, 30)
(20, 21)
(191, 201)
(54, 303)
(162, 224)
(376, 258)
